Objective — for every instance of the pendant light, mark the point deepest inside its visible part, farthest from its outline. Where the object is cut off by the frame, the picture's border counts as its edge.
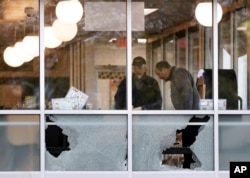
(69, 11)
(50, 40)
(203, 13)
(64, 31)
(21, 53)
(11, 58)
(31, 45)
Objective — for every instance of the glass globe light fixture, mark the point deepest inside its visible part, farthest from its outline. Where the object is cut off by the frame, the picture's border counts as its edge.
(50, 41)
(63, 31)
(69, 11)
(11, 58)
(203, 13)
(31, 45)
(20, 52)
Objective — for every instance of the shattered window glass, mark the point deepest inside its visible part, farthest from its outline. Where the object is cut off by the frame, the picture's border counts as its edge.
(86, 143)
(172, 143)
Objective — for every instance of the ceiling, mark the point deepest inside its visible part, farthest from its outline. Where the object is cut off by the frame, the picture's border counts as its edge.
(20, 17)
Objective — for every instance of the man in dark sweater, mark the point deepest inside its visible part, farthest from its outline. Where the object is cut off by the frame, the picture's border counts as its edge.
(184, 94)
(146, 93)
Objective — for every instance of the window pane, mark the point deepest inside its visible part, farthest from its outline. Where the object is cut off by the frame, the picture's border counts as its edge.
(174, 52)
(19, 55)
(92, 62)
(172, 143)
(240, 56)
(20, 143)
(233, 42)
(86, 143)
(234, 142)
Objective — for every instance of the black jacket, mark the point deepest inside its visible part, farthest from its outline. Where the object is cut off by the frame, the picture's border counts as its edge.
(148, 97)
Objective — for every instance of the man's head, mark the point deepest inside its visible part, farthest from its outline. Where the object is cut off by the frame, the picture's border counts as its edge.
(139, 66)
(163, 69)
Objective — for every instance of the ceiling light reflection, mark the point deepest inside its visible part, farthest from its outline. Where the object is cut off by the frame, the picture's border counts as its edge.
(10, 57)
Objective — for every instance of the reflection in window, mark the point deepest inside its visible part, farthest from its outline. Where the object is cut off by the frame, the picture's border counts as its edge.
(19, 143)
(234, 145)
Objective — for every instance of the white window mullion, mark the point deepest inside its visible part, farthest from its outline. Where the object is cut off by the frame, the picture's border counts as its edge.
(215, 88)
(42, 88)
(129, 84)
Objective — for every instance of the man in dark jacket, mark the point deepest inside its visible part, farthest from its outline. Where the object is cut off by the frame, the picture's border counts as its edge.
(146, 93)
(184, 94)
